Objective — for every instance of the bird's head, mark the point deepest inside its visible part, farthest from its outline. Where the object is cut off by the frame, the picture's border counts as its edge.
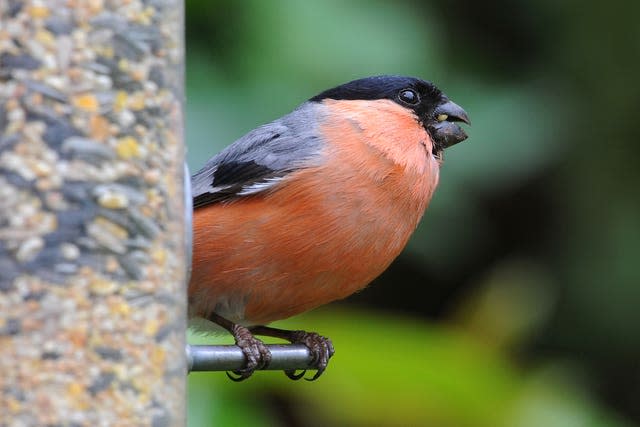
(433, 109)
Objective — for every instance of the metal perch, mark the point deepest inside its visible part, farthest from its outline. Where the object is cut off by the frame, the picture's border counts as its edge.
(230, 357)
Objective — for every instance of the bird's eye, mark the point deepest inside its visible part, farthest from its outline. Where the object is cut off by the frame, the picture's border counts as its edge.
(409, 96)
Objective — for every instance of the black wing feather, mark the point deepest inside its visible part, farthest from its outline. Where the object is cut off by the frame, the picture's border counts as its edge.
(231, 178)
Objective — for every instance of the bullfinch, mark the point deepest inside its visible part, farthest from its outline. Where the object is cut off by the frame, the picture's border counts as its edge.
(313, 206)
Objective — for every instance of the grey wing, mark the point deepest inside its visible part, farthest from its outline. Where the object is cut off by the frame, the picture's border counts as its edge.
(260, 159)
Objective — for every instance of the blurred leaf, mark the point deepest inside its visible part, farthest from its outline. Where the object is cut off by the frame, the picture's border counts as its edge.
(510, 305)
(515, 131)
(551, 397)
(212, 405)
(318, 40)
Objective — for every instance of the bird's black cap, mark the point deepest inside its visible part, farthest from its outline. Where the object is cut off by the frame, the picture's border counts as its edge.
(380, 87)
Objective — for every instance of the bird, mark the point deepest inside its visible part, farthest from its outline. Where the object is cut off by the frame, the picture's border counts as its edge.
(313, 206)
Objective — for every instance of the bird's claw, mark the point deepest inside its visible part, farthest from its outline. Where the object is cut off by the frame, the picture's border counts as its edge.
(321, 350)
(255, 352)
(291, 373)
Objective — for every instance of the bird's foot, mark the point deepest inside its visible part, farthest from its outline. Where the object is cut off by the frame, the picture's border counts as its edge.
(320, 347)
(321, 351)
(255, 352)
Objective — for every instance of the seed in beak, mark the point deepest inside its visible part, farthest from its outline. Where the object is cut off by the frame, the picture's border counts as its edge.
(442, 117)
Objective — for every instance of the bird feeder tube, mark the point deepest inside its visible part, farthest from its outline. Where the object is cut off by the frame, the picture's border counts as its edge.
(92, 230)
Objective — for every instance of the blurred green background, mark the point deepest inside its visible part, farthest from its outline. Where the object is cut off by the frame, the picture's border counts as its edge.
(517, 303)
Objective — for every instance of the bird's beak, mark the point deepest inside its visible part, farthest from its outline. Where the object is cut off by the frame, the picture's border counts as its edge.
(444, 129)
